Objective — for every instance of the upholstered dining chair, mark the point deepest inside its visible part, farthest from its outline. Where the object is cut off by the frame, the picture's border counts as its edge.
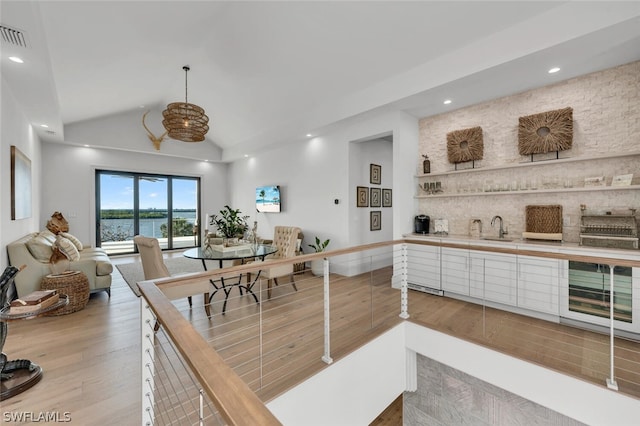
(153, 265)
(285, 239)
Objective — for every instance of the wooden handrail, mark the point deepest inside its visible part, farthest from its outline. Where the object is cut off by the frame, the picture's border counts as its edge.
(236, 402)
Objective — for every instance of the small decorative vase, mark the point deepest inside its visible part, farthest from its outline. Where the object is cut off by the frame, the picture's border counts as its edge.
(317, 267)
(426, 165)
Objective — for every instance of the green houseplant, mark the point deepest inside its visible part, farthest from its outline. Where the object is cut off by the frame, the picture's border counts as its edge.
(230, 222)
(317, 265)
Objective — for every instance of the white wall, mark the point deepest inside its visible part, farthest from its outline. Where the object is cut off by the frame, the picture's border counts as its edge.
(16, 130)
(353, 390)
(69, 184)
(315, 172)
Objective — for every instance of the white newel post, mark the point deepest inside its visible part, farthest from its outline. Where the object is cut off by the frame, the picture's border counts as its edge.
(611, 381)
(327, 324)
(147, 322)
(404, 292)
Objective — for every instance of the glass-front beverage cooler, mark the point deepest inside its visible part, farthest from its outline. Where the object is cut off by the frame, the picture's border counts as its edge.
(589, 295)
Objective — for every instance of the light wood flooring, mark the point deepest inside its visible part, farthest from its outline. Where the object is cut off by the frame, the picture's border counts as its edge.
(91, 358)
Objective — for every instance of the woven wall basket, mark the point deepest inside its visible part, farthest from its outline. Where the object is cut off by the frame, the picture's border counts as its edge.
(465, 145)
(546, 132)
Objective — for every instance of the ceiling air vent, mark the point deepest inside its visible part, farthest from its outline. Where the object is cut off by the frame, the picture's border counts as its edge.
(13, 36)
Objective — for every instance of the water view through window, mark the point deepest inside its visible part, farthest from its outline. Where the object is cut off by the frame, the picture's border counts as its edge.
(159, 206)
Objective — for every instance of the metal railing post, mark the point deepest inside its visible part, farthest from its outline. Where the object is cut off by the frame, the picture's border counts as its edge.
(147, 321)
(611, 381)
(404, 292)
(327, 323)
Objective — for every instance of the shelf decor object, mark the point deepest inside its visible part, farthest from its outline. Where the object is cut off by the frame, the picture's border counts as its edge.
(546, 132)
(543, 222)
(426, 164)
(465, 145)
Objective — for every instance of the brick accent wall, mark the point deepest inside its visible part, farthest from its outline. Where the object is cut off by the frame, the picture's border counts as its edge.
(606, 114)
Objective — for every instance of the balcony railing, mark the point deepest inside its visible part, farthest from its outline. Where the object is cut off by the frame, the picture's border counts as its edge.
(221, 369)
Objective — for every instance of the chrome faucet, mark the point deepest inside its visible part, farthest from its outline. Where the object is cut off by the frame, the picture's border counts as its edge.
(501, 232)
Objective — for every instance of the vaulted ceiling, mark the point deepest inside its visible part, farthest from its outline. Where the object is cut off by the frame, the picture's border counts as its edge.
(269, 73)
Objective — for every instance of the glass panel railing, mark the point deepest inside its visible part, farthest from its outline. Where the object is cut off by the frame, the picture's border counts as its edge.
(506, 301)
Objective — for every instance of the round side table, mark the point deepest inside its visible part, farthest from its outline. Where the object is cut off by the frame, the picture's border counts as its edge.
(74, 284)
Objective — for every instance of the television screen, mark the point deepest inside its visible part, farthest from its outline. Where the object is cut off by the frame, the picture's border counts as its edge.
(268, 199)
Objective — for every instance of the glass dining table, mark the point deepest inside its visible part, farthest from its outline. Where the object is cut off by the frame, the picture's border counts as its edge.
(243, 253)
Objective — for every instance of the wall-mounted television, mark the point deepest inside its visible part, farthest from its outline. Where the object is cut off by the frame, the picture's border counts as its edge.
(268, 199)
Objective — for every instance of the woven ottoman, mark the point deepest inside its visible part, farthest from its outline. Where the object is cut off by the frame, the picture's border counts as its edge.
(74, 284)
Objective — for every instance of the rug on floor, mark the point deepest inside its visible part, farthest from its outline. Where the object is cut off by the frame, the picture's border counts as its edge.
(132, 272)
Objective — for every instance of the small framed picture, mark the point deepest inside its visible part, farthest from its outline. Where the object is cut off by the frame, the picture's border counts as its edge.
(622, 180)
(375, 174)
(375, 220)
(386, 198)
(594, 181)
(375, 195)
(362, 196)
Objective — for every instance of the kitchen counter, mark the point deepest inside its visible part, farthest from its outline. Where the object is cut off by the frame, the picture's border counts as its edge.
(532, 245)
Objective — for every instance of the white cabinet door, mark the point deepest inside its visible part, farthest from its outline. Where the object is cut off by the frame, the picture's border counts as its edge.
(455, 271)
(423, 265)
(538, 282)
(493, 277)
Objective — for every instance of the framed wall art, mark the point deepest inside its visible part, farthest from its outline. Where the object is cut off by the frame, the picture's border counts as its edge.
(20, 185)
(386, 198)
(375, 197)
(375, 174)
(362, 196)
(375, 220)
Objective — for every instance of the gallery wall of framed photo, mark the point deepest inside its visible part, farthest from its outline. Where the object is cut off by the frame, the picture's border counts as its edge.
(374, 197)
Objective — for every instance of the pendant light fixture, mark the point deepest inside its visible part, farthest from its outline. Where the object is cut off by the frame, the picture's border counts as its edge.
(184, 121)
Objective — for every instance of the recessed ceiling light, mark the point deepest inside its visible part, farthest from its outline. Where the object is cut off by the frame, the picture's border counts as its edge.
(447, 101)
(246, 156)
(86, 146)
(16, 59)
(553, 70)
(309, 135)
(44, 125)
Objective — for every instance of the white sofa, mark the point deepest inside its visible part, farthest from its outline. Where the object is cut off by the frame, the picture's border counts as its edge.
(94, 262)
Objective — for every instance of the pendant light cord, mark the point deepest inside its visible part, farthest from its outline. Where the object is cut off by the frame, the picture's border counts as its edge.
(186, 70)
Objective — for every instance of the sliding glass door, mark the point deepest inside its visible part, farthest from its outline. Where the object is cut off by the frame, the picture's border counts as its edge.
(159, 206)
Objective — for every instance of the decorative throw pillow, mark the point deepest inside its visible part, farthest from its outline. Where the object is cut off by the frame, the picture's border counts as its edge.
(40, 248)
(67, 248)
(76, 242)
(48, 235)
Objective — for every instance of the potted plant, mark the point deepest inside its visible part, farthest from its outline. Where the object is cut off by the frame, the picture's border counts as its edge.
(317, 265)
(230, 223)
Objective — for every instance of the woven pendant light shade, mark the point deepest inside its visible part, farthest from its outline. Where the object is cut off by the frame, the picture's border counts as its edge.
(184, 121)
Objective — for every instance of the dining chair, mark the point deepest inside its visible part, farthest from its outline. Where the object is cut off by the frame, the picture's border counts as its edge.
(285, 238)
(153, 264)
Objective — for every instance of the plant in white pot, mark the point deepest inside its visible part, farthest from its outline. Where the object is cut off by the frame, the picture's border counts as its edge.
(317, 265)
(230, 223)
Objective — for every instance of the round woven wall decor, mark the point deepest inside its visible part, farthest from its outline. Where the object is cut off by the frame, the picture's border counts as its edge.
(546, 132)
(465, 145)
